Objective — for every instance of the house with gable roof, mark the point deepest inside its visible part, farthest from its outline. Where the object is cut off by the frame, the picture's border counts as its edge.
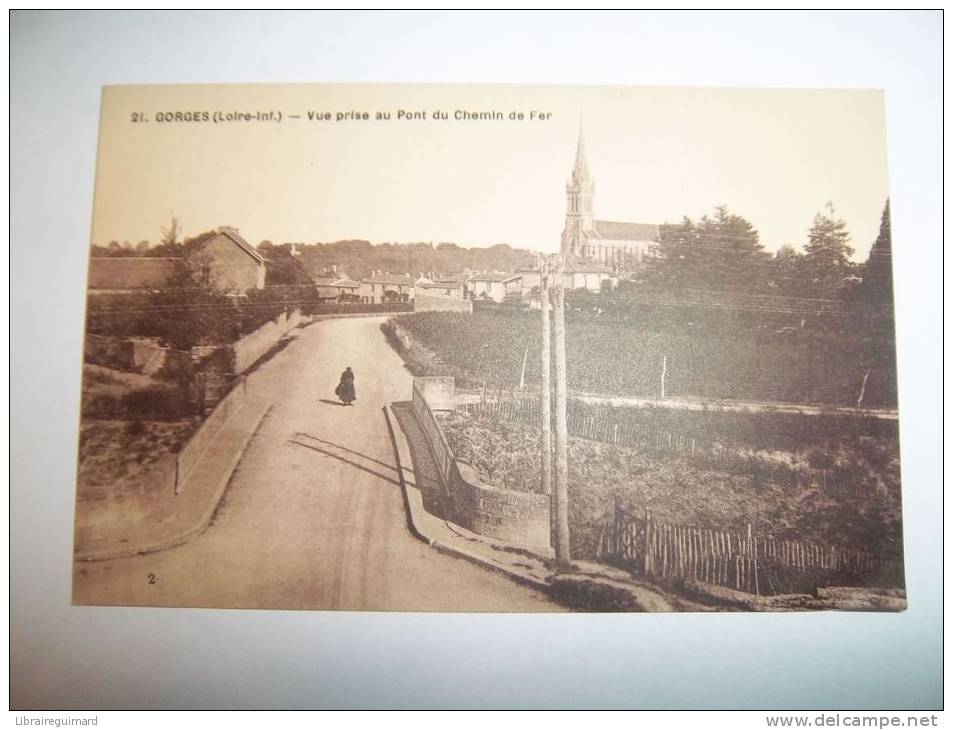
(340, 287)
(493, 286)
(226, 261)
(380, 287)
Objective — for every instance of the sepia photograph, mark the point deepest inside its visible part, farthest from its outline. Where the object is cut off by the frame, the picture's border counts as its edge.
(490, 348)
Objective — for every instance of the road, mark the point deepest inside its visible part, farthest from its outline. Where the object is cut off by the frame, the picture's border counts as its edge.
(313, 517)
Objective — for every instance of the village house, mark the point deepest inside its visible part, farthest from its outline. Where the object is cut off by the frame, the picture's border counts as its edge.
(493, 286)
(380, 288)
(347, 288)
(530, 280)
(336, 285)
(226, 261)
(448, 286)
(591, 276)
(441, 294)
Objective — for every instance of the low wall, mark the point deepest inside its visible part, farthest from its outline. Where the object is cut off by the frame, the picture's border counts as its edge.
(199, 442)
(249, 349)
(520, 518)
(438, 442)
(437, 392)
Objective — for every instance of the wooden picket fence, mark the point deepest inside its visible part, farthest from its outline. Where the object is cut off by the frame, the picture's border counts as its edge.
(742, 561)
(581, 424)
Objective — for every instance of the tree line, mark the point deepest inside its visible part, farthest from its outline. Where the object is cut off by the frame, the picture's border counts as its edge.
(723, 252)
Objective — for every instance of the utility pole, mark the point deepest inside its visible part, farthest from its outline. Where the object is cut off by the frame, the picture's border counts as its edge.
(562, 439)
(546, 442)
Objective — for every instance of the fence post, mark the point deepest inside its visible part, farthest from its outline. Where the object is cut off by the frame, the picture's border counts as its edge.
(645, 552)
(754, 560)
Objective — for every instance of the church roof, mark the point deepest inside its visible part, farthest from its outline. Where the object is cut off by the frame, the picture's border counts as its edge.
(621, 231)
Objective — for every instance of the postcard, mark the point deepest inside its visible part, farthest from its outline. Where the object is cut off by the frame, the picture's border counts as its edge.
(490, 348)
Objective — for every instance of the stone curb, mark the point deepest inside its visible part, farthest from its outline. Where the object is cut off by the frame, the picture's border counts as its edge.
(193, 530)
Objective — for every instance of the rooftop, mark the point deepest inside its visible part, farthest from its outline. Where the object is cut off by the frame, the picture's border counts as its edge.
(621, 231)
(401, 279)
(129, 272)
(232, 235)
(494, 277)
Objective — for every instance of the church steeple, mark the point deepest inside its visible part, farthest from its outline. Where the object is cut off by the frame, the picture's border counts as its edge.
(580, 173)
(579, 192)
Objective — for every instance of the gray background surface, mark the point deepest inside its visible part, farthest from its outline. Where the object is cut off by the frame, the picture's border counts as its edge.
(81, 657)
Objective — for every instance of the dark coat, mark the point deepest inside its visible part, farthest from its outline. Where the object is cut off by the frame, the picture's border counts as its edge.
(345, 390)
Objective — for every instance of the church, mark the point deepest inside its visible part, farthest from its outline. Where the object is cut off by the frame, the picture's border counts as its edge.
(619, 245)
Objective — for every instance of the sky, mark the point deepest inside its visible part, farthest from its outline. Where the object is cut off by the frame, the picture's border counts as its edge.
(657, 154)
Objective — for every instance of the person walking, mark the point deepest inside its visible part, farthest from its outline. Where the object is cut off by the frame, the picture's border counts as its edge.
(345, 390)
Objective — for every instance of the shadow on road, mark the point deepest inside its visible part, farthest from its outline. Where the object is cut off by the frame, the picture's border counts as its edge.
(331, 402)
(309, 437)
(312, 442)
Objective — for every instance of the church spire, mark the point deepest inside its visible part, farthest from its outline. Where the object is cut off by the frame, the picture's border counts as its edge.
(580, 172)
(579, 194)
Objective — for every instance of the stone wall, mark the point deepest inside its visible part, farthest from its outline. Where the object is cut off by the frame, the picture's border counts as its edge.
(520, 518)
(249, 349)
(437, 392)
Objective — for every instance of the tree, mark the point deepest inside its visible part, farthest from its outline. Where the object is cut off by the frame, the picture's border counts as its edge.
(721, 252)
(877, 288)
(826, 263)
(120, 250)
(783, 275)
(170, 235)
(281, 267)
(186, 312)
